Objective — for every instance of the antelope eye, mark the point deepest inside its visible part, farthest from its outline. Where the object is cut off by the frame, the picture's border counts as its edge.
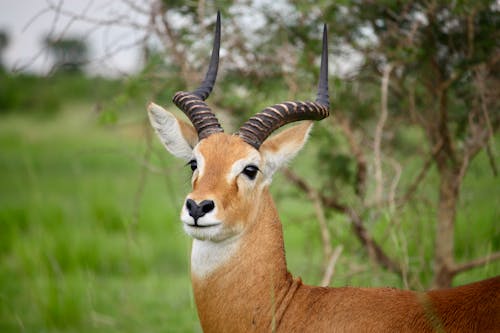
(193, 165)
(251, 171)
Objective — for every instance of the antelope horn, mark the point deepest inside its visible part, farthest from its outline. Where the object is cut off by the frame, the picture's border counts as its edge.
(192, 103)
(260, 126)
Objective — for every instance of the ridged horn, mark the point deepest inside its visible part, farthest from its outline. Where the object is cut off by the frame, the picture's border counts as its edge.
(192, 103)
(260, 126)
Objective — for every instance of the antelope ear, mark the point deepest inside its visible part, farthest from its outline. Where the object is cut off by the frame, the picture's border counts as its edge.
(282, 148)
(176, 135)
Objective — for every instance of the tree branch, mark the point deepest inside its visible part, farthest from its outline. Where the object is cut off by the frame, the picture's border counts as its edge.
(170, 40)
(320, 215)
(379, 130)
(330, 266)
(391, 198)
(142, 181)
(375, 251)
(401, 201)
(480, 78)
(459, 268)
(361, 168)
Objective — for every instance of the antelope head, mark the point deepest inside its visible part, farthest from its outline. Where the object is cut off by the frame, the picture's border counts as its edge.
(231, 171)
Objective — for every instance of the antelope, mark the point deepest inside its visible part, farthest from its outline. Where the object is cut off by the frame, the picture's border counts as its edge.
(238, 268)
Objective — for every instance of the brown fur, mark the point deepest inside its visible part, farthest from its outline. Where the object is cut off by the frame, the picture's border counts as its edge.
(235, 206)
(189, 133)
(254, 292)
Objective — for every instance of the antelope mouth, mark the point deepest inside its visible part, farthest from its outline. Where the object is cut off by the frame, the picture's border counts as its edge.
(201, 226)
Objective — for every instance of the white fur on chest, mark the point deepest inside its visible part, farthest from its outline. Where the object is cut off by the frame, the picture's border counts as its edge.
(207, 256)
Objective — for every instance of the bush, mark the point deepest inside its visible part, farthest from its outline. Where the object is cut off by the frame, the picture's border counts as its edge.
(40, 95)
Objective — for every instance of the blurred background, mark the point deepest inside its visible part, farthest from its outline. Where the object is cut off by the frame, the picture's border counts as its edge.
(398, 187)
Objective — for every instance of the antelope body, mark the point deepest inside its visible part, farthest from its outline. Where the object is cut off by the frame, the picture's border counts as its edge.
(238, 266)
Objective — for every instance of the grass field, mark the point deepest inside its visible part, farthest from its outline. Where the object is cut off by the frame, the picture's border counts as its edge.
(90, 239)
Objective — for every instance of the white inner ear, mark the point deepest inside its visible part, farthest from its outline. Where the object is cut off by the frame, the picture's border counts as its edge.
(278, 150)
(167, 127)
(275, 160)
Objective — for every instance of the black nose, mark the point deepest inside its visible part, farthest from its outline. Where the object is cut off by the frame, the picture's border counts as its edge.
(198, 210)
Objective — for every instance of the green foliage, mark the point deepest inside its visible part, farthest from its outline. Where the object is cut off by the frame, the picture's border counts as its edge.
(4, 42)
(334, 162)
(44, 96)
(27, 94)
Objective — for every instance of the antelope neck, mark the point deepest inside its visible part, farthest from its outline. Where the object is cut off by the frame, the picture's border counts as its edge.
(208, 256)
(243, 282)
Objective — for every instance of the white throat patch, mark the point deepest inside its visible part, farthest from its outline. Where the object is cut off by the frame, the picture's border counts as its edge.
(207, 256)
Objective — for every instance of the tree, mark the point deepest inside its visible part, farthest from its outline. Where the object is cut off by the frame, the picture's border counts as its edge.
(429, 65)
(4, 42)
(447, 68)
(437, 67)
(70, 53)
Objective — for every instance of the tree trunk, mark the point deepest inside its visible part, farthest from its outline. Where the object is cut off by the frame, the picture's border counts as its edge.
(444, 243)
(449, 189)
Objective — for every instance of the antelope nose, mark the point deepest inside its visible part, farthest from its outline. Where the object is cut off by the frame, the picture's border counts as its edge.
(198, 210)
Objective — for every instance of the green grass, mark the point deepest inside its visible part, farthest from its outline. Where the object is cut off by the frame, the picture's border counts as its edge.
(80, 250)
(90, 242)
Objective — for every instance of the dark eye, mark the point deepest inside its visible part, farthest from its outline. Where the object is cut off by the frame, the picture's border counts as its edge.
(251, 171)
(193, 164)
